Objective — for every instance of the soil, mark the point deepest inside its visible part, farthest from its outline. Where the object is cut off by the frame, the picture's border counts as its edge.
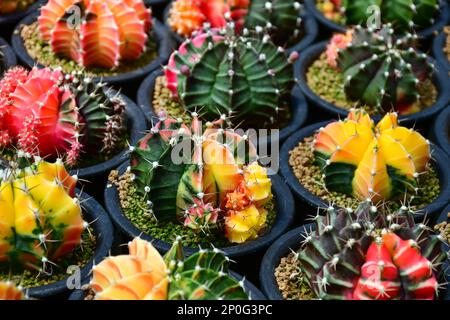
(444, 228)
(135, 208)
(310, 177)
(328, 83)
(447, 42)
(41, 52)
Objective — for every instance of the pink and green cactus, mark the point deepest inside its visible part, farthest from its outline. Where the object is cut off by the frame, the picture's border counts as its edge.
(47, 113)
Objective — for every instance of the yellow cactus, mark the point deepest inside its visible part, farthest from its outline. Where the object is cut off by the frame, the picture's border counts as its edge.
(140, 275)
(40, 220)
(244, 225)
(8, 291)
(368, 161)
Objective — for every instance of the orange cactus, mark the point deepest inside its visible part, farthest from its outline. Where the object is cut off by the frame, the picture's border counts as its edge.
(8, 291)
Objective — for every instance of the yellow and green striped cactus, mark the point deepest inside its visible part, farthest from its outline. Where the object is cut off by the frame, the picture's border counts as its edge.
(370, 162)
(40, 217)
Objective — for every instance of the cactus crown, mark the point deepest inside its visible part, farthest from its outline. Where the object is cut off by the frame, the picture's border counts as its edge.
(403, 14)
(47, 113)
(226, 73)
(369, 253)
(381, 70)
(96, 33)
(144, 275)
(214, 176)
(10, 6)
(42, 218)
(370, 162)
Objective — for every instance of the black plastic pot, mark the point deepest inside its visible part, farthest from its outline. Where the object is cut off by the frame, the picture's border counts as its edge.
(298, 103)
(93, 213)
(285, 215)
(311, 31)
(9, 21)
(157, 7)
(7, 56)
(160, 33)
(307, 58)
(282, 247)
(249, 287)
(440, 133)
(424, 33)
(438, 50)
(440, 162)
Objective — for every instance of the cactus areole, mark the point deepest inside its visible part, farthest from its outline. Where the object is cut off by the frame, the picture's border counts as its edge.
(41, 218)
(44, 112)
(96, 33)
(370, 254)
(242, 76)
(214, 183)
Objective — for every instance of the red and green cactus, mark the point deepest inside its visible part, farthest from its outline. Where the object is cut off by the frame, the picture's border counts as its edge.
(370, 162)
(383, 71)
(247, 76)
(371, 254)
(49, 114)
(188, 175)
(403, 14)
(10, 6)
(145, 275)
(106, 32)
(41, 218)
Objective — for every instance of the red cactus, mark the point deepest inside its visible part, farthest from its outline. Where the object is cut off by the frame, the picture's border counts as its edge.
(107, 31)
(42, 113)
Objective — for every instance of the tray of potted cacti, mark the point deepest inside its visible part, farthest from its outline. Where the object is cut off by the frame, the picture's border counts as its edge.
(249, 79)
(287, 22)
(48, 229)
(7, 57)
(424, 17)
(143, 274)
(55, 115)
(364, 253)
(117, 41)
(441, 48)
(204, 185)
(374, 70)
(343, 162)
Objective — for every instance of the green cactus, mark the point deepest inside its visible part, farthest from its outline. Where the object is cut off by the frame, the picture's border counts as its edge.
(383, 71)
(403, 14)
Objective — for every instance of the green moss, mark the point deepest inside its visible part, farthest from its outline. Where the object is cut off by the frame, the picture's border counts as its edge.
(135, 209)
(31, 278)
(41, 51)
(328, 83)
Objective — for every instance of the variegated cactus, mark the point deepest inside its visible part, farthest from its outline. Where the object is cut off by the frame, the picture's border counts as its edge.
(370, 162)
(105, 33)
(47, 113)
(10, 6)
(215, 177)
(144, 274)
(372, 254)
(41, 216)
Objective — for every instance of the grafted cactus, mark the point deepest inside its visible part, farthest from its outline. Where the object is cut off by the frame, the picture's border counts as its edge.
(105, 33)
(215, 177)
(403, 14)
(47, 113)
(144, 275)
(383, 71)
(41, 216)
(370, 162)
(10, 6)
(371, 254)
(225, 73)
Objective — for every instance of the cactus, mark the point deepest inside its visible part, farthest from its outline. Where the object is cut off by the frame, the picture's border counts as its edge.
(377, 163)
(41, 216)
(8, 291)
(10, 6)
(382, 71)
(224, 73)
(47, 113)
(403, 14)
(144, 275)
(212, 168)
(105, 33)
(371, 254)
